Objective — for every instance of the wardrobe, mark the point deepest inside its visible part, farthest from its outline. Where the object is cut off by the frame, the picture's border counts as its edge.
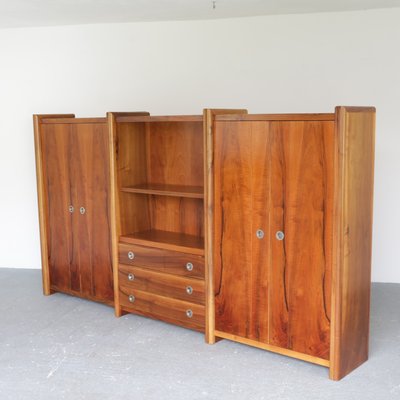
(252, 228)
(73, 180)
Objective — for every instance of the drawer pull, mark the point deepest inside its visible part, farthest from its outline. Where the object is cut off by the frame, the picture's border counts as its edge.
(189, 290)
(189, 313)
(71, 209)
(131, 277)
(131, 255)
(131, 298)
(189, 266)
(82, 210)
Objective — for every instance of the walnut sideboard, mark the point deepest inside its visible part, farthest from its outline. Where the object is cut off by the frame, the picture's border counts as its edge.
(253, 228)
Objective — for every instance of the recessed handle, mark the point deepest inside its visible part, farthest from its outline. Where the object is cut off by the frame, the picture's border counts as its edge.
(260, 234)
(82, 210)
(131, 277)
(280, 235)
(131, 298)
(189, 266)
(189, 313)
(189, 290)
(131, 255)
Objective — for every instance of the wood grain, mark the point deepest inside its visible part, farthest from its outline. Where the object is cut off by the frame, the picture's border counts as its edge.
(42, 198)
(302, 208)
(90, 190)
(209, 116)
(275, 117)
(165, 261)
(355, 131)
(194, 192)
(116, 182)
(163, 308)
(274, 349)
(167, 285)
(55, 140)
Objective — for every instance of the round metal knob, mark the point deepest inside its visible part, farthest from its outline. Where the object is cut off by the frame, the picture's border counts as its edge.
(189, 266)
(131, 298)
(280, 235)
(82, 210)
(131, 277)
(71, 209)
(189, 290)
(260, 233)
(131, 255)
(189, 313)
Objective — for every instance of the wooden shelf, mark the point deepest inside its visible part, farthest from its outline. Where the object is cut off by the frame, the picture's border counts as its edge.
(167, 240)
(194, 192)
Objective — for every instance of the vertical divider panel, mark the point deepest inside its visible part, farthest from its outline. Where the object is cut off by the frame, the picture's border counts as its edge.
(351, 283)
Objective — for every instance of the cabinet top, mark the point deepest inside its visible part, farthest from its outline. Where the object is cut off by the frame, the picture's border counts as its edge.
(275, 117)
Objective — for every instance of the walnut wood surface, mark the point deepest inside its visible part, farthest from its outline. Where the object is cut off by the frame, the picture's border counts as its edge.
(195, 192)
(301, 169)
(120, 176)
(165, 261)
(55, 141)
(91, 189)
(274, 176)
(353, 236)
(167, 285)
(78, 245)
(209, 116)
(275, 117)
(163, 308)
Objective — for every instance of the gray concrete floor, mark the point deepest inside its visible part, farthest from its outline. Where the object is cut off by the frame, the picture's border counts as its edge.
(61, 347)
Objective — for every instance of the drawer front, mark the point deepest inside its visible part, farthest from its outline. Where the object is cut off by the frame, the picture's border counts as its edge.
(177, 287)
(171, 262)
(188, 315)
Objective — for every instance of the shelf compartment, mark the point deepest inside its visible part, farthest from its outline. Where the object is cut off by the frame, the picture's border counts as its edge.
(193, 192)
(167, 240)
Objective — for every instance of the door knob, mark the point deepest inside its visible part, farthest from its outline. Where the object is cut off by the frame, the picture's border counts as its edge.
(82, 210)
(279, 235)
(260, 233)
(71, 209)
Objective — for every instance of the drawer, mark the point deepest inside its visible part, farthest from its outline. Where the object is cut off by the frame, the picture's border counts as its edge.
(183, 313)
(167, 261)
(177, 287)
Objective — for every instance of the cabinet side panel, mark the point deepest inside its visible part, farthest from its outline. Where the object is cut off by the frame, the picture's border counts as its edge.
(353, 236)
(232, 228)
(56, 176)
(302, 208)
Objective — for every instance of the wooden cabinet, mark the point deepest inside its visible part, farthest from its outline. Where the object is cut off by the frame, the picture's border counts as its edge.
(253, 228)
(158, 203)
(291, 200)
(72, 159)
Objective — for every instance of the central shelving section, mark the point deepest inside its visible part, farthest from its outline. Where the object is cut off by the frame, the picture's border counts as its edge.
(160, 179)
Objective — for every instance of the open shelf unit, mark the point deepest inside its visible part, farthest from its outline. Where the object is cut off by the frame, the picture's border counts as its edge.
(160, 181)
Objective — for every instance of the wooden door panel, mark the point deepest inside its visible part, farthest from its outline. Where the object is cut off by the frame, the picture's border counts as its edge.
(90, 177)
(302, 207)
(55, 141)
(232, 228)
(260, 178)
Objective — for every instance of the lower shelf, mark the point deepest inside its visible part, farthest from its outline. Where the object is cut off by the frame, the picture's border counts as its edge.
(167, 240)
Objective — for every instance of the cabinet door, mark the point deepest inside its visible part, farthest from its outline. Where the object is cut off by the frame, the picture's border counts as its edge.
(90, 192)
(272, 179)
(55, 139)
(240, 258)
(302, 208)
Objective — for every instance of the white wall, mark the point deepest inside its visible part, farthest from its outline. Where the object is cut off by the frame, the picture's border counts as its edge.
(272, 64)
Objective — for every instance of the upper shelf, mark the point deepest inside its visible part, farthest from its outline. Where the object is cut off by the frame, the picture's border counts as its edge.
(194, 192)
